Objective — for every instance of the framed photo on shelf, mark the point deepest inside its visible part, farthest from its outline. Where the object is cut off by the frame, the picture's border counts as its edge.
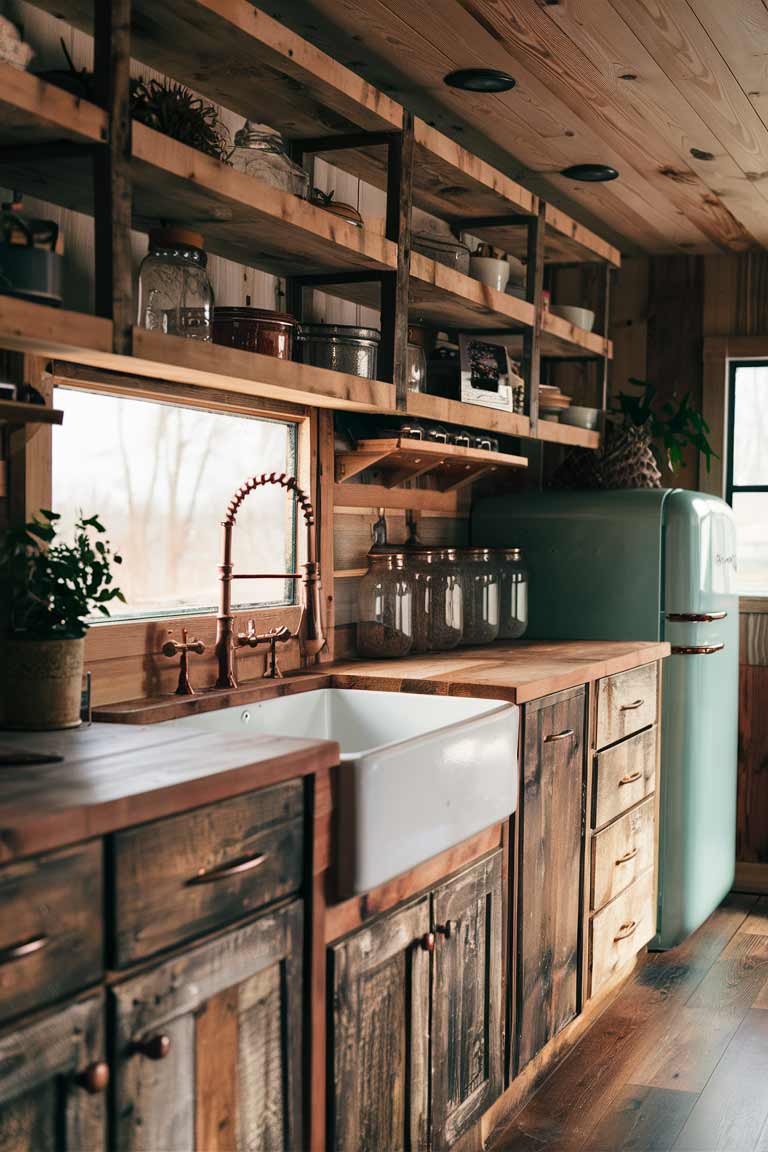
(490, 375)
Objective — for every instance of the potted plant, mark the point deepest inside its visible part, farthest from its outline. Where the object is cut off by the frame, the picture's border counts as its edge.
(51, 588)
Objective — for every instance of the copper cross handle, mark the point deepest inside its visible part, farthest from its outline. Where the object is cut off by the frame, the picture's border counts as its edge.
(174, 648)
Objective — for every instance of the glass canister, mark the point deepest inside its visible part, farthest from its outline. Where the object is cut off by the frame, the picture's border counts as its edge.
(260, 151)
(480, 580)
(385, 608)
(513, 593)
(416, 358)
(447, 601)
(423, 571)
(175, 294)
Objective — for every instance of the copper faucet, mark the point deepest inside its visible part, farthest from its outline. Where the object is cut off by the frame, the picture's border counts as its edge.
(173, 648)
(310, 585)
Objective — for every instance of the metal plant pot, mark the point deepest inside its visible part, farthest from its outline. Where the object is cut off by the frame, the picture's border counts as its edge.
(43, 682)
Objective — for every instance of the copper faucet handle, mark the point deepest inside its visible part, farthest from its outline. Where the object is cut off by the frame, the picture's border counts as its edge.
(196, 645)
(280, 635)
(171, 647)
(249, 638)
(174, 647)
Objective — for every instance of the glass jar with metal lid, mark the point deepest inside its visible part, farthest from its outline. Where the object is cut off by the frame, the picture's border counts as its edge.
(340, 347)
(480, 581)
(260, 151)
(437, 599)
(385, 607)
(175, 294)
(513, 593)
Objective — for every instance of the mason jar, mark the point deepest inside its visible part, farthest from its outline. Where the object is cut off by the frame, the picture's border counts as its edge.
(385, 607)
(513, 593)
(175, 294)
(422, 568)
(447, 601)
(480, 580)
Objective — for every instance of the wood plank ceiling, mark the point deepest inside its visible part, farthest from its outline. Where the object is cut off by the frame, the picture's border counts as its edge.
(673, 93)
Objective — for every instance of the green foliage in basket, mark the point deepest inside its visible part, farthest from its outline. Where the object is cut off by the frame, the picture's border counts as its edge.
(674, 427)
(171, 108)
(53, 587)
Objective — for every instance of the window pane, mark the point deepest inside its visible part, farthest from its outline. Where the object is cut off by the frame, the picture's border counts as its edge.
(751, 510)
(750, 425)
(160, 477)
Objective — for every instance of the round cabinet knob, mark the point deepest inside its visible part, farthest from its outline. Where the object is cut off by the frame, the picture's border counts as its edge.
(154, 1047)
(94, 1078)
(448, 929)
(428, 942)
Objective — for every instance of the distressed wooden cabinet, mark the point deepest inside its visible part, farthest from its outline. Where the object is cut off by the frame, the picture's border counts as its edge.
(208, 1045)
(438, 957)
(550, 852)
(53, 1080)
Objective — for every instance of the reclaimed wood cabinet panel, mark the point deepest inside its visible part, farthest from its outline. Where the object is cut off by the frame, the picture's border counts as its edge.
(208, 1045)
(624, 775)
(626, 703)
(186, 875)
(380, 1034)
(51, 927)
(621, 929)
(622, 852)
(467, 992)
(46, 1070)
(551, 819)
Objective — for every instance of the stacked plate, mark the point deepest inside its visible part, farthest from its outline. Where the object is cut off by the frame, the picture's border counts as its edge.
(552, 402)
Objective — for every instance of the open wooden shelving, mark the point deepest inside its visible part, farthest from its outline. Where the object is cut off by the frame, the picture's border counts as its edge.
(552, 432)
(400, 459)
(33, 112)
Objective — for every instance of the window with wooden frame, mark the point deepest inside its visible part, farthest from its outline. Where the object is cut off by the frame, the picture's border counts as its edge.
(747, 470)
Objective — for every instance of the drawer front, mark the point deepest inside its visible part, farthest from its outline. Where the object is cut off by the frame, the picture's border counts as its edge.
(626, 703)
(189, 874)
(51, 927)
(622, 852)
(624, 775)
(621, 929)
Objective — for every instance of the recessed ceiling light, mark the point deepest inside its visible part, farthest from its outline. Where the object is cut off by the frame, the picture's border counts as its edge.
(480, 80)
(592, 173)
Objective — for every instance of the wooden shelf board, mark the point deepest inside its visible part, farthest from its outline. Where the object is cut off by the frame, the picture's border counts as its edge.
(16, 414)
(443, 411)
(553, 432)
(378, 496)
(270, 72)
(565, 241)
(400, 459)
(34, 112)
(48, 331)
(563, 341)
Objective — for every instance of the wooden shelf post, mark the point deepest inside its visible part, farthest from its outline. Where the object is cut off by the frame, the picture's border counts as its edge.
(532, 336)
(112, 178)
(393, 349)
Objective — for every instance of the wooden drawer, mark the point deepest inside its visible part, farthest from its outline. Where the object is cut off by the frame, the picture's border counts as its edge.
(624, 775)
(189, 874)
(626, 703)
(51, 940)
(622, 852)
(621, 929)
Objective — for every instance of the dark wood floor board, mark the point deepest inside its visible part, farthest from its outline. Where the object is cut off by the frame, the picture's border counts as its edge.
(757, 922)
(644, 1118)
(582, 1090)
(686, 1054)
(731, 1113)
(735, 980)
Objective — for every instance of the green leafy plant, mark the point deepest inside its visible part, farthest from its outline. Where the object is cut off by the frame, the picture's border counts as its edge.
(52, 586)
(171, 108)
(674, 427)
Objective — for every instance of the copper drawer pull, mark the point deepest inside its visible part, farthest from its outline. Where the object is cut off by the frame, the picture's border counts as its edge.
(696, 649)
(236, 868)
(629, 779)
(625, 931)
(559, 736)
(627, 856)
(631, 707)
(94, 1078)
(154, 1047)
(695, 617)
(26, 948)
(427, 942)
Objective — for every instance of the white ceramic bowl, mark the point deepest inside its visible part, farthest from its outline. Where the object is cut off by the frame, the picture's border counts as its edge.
(488, 270)
(579, 317)
(580, 417)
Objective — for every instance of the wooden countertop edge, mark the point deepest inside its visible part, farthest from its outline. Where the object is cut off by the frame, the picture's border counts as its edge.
(25, 830)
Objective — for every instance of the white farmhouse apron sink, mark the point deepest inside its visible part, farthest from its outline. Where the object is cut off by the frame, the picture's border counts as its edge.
(418, 774)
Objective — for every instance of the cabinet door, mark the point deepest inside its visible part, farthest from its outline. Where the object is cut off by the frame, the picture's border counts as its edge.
(209, 1044)
(52, 1082)
(551, 829)
(467, 994)
(380, 1025)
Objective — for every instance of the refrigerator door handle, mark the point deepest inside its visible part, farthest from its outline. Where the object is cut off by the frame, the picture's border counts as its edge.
(696, 649)
(695, 617)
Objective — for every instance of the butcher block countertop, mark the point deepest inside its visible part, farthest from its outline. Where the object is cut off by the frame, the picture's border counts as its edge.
(516, 671)
(113, 777)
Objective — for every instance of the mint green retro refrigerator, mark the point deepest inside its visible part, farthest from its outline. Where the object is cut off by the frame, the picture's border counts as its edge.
(647, 565)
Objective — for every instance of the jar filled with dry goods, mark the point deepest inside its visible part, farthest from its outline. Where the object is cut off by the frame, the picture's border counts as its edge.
(480, 581)
(385, 607)
(513, 593)
(175, 294)
(447, 602)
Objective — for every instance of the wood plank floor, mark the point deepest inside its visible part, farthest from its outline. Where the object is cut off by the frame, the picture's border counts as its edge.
(678, 1062)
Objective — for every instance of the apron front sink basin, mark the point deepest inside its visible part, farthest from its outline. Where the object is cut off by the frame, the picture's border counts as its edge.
(417, 774)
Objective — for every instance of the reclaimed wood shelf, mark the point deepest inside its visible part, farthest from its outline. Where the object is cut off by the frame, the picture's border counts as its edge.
(565, 240)
(15, 414)
(238, 56)
(552, 432)
(473, 416)
(400, 459)
(561, 340)
(34, 112)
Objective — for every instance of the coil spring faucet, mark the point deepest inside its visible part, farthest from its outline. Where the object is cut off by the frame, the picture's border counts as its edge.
(310, 588)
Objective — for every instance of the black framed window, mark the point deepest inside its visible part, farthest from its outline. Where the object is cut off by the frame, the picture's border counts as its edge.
(747, 470)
